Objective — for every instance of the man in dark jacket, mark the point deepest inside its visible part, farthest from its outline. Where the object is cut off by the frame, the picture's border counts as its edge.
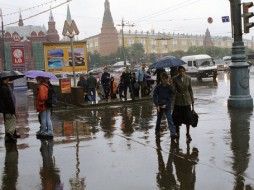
(126, 76)
(7, 107)
(91, 84)
(105, 82)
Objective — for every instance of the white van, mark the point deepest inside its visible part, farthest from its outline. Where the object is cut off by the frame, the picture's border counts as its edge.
(200, 66)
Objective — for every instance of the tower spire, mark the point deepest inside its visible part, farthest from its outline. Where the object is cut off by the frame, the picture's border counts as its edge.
(107, 18)
(20, 19)
(68, 17)
(108, 38)
(51, 18)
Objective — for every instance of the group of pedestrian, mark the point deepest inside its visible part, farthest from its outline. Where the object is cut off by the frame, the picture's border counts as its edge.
(176, 90)
(129, 84)
(7, 107)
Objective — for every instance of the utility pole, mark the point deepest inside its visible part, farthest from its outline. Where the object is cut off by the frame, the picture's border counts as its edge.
(239, 69)
(2, 39)
(123, 24)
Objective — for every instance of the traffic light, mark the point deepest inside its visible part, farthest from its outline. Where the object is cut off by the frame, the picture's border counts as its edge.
(246, 15)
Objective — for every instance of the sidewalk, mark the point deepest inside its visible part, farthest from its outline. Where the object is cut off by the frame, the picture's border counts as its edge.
(112, 145)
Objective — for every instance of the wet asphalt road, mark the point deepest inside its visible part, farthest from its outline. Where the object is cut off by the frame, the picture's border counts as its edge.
(113, 147)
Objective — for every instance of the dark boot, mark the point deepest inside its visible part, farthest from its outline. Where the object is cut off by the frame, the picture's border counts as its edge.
(178, 131)
(188, 137)
(16, 135)
(10, 138)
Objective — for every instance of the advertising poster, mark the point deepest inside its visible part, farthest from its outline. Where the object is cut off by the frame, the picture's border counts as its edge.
(17, 56)
(18, 64)
(65, 85)
(58, 57)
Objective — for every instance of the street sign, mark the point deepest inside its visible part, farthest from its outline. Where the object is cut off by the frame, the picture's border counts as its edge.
(70, 28)
(225, 19)
(210, 20)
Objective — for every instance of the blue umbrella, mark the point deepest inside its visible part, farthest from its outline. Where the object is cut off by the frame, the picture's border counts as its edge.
(168, 61)
(38, 73)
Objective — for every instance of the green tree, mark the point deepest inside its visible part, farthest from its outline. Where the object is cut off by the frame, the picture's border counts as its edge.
(94, 59)
(137, 52)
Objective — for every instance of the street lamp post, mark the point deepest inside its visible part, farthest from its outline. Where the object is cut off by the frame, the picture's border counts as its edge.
(124, 59)
(2, 38)
(239, 69)
(70, 29)
(72, 59)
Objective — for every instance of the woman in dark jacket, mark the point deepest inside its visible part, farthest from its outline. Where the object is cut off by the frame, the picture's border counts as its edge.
(183, 101)
(162, 98)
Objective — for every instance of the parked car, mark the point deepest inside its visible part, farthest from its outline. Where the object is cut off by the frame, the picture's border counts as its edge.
(200, 66)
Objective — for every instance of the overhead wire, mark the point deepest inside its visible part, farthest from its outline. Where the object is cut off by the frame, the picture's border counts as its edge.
(67, 1)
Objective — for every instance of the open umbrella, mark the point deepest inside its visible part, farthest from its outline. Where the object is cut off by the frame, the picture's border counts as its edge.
(11, 74)
(38, 73)
(168, 61)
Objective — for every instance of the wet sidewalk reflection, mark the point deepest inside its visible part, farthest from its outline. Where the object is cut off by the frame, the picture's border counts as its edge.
(115, 147)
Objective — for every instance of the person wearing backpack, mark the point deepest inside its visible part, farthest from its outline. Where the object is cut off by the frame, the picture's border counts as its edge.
(46, 129)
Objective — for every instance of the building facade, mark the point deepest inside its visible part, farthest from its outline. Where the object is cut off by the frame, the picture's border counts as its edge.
(153, 42)
(156, 42)
(29, 39)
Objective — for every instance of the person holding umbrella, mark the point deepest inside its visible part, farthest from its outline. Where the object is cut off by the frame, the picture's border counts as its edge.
(7, 104)
(46, 129)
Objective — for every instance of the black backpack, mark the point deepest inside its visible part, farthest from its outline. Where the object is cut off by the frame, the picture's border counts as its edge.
(52, 99)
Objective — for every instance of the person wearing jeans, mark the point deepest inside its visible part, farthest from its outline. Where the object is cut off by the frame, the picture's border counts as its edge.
(162, 98)
(46, 129)
(91, 83)
(46, 123)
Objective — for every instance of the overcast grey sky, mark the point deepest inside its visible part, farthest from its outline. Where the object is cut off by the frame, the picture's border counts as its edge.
(178, 16)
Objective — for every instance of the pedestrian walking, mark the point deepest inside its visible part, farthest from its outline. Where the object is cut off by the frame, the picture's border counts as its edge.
(7, 107)
(141, 77)
(105, 82)
(183, 101)
(46, 128)
(91, 83)
(126, 76)
(113, 88)
(83, 84)
(162, 98)
(135, 85)
(121, 87)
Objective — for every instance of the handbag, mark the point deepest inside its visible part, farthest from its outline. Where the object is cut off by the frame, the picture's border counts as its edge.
(194, 118)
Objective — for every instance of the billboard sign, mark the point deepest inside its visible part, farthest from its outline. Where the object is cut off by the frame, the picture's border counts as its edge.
(65, 85)
(17, 55)
(58, 57)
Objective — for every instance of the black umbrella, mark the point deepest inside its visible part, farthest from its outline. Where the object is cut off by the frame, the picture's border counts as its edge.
(168, 61)
(11, 74)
